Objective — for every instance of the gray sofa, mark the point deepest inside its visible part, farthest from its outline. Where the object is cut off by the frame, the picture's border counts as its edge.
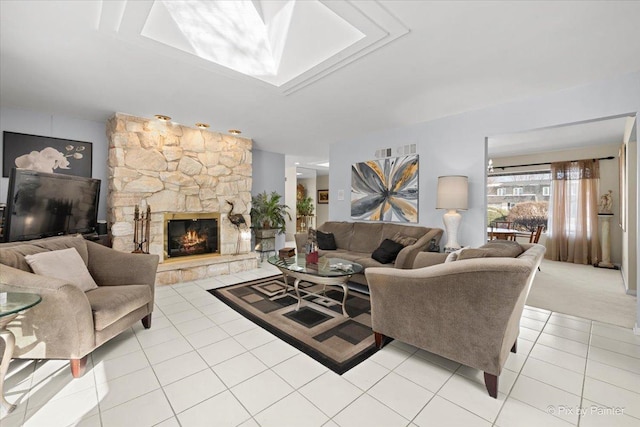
(466, 310)
(356, 241)
(70, 323)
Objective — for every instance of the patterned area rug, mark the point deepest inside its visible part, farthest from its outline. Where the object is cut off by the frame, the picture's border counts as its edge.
(318, 329)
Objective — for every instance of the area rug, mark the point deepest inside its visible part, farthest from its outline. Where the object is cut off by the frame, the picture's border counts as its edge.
(318, 328)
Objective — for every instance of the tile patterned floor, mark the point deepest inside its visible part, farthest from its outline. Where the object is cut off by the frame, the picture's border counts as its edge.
(202, 364)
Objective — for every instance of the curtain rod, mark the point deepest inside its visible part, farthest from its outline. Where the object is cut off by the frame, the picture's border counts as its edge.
(546, 163)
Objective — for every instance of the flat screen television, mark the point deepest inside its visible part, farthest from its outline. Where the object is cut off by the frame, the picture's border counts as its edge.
(43, 204)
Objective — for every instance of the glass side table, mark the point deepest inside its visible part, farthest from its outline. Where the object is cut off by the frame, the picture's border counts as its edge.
(10, 309)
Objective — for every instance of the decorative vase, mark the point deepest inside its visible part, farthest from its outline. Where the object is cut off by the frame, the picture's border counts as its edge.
(311, 251)
(312, 257)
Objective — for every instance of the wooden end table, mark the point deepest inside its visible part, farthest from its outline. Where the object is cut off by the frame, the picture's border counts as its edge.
(16, 303)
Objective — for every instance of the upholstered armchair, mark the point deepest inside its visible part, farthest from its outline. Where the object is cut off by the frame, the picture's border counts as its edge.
(70, 323)
(467, 311)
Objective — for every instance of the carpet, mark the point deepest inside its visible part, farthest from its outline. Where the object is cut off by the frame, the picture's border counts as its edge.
(583, 291)
(318, 329)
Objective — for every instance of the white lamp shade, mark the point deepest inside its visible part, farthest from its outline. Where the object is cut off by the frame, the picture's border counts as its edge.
(453, 192)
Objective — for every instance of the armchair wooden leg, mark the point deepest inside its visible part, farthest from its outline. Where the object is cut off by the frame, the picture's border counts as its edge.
(380, 339)
(514, 349)
(78, 366)
(491, 381)
(146, 321)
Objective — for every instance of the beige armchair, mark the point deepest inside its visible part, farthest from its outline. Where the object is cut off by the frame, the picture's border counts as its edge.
(467, 311)
(70, 323)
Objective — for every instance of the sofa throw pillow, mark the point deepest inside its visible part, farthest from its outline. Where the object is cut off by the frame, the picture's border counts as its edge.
(404, 240)
(65, 264)
(326, 241)
(387, 251)
(453, 256)
(490, 250)
(470, 253)
(506, 248)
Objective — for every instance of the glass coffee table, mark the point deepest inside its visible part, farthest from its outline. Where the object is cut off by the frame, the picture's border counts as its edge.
(327, 272)
(14, 304)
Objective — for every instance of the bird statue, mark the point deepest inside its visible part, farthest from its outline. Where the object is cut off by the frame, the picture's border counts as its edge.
(237, 220)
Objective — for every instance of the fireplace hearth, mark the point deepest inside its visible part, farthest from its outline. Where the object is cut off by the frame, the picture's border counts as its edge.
(189, 234)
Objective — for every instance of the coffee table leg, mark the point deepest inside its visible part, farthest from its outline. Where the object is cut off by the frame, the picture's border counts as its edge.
(286, 283)
(296, 287)
(345, 290)
(9, 344)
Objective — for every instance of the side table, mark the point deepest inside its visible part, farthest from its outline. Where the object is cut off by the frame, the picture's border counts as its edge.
(16, 303)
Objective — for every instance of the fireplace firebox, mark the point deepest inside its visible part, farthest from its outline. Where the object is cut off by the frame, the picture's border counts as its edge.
(191, 234)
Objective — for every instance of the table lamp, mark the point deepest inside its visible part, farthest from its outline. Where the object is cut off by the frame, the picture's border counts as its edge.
(452, 195)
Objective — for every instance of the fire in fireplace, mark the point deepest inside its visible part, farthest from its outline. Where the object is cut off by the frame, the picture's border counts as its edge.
(191, 234)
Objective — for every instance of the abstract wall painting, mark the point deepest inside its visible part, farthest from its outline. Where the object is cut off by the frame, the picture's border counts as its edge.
(385, 189)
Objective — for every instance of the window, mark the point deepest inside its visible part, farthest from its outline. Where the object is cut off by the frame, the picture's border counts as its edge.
(519, 197)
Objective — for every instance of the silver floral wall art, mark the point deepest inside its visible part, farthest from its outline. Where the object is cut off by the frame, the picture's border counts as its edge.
(46, 154)
(385, 189)
(49, 159)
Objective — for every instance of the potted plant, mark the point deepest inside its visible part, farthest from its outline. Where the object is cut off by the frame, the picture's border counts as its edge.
(267, 213)
(305, 206)
(304, 209)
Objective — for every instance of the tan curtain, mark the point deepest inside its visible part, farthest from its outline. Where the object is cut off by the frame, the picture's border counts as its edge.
(573, 223)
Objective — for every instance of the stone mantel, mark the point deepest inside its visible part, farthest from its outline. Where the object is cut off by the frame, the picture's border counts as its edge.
(176, 169)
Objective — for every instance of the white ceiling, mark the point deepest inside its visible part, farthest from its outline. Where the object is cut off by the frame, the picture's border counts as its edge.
(61, 57)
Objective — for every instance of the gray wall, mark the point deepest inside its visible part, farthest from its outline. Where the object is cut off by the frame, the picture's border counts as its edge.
(268, 175)
(455, 145)
(59, 126)
(268, 172)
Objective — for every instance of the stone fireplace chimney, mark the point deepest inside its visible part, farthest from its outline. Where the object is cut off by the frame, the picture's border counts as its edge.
(176, 169)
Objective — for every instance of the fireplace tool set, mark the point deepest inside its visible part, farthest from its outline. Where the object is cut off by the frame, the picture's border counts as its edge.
(141, 223)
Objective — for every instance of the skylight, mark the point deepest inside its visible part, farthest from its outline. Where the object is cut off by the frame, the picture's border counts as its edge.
(232, 33)
(252, 37)
(286, 43)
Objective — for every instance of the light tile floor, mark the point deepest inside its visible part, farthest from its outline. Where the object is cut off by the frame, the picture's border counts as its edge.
(202, 364)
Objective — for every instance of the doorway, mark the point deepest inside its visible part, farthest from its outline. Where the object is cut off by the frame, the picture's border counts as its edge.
(531, 152)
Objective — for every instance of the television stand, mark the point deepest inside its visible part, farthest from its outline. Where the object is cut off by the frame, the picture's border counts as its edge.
(103, 239)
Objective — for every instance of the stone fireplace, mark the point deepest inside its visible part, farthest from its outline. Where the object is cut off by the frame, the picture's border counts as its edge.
(179, 171)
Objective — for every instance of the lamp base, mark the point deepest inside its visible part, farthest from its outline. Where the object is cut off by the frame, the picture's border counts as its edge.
(451, 222)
